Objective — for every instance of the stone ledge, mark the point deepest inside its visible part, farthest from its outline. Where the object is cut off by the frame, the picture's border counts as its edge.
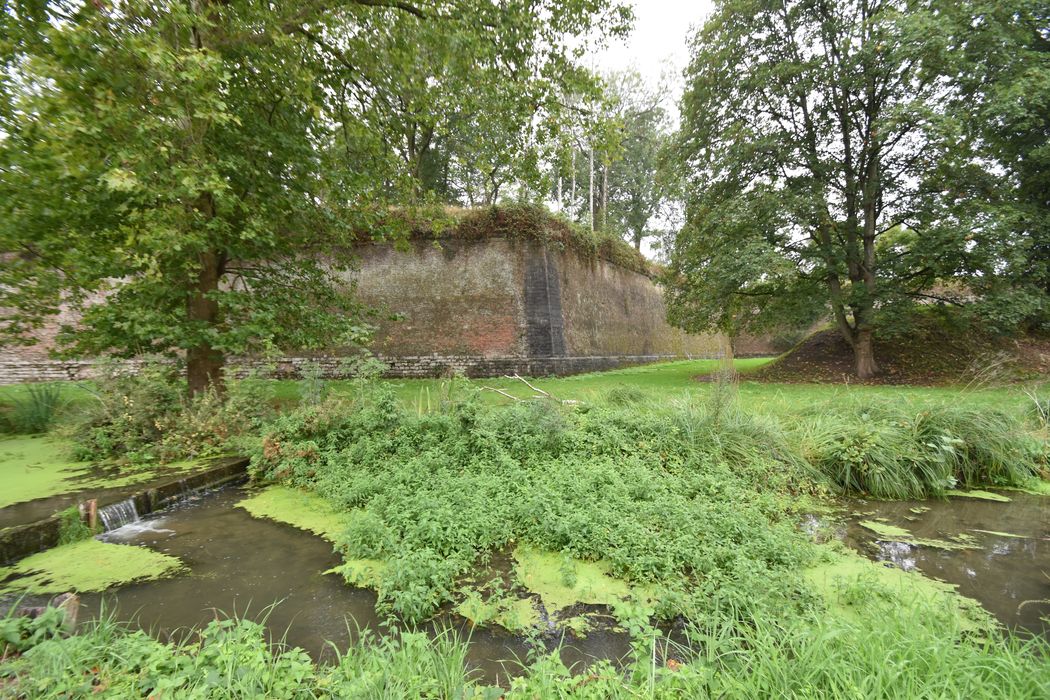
(22, 540)
(331, 367)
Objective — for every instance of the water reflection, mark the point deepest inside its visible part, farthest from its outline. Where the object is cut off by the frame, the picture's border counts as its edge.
(1008, 572)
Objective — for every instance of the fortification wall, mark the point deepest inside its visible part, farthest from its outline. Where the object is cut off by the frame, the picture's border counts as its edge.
(453, 298)
(480, 307)
(499, 299)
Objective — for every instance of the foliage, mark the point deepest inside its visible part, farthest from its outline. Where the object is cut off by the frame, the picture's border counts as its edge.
(636, 190)
(999, 52)
(72, 527)
(35, 409)
(821, 162)
(893, 646)
(144, 415)
(21, 632)
(891, 450)
(188, 176)
(433, 494)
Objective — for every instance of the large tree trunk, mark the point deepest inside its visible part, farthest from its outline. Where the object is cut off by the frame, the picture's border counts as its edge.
(203, 362)
(864, 355)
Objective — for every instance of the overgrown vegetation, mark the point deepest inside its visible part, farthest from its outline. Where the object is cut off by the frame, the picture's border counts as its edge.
(72, 527)
(688, 499)
(525, 222)
(693, 500)
(896, 450)
(892, 646)
(147, 416)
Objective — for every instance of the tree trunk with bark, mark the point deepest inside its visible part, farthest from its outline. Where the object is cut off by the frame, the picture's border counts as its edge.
(864, 355)
(203, 362)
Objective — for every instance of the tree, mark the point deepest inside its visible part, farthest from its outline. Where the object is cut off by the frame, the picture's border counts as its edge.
(811, 131)
(636, 191)
(190, 176)
(999, 53)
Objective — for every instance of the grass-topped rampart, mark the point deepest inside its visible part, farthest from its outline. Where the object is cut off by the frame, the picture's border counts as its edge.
(515, 222)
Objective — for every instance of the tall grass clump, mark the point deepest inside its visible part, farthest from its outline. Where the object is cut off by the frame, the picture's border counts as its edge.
(895, 450)
(35, 408)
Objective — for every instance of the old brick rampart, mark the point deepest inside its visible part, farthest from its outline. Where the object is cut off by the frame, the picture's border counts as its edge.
(479, 307)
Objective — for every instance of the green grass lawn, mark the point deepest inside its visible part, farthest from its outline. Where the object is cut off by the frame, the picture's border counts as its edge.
(671, 380)
(663, 381)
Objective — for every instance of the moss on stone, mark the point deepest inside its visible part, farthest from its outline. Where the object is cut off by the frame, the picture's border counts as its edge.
(87, 565)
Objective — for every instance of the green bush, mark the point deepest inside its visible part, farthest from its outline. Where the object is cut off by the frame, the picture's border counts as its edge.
(146, 416)
(682, 497)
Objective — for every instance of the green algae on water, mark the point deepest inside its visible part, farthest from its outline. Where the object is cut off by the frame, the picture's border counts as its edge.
(847, 582)
(310, 512)
(544, 573)
(40, 467)
(86, 566)
(1035, 487)
(893, 533)
(301, 509)
(977, 493)
(516, 615)
(996, 533)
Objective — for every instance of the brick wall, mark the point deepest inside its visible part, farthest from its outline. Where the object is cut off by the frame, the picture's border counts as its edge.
(481, 308)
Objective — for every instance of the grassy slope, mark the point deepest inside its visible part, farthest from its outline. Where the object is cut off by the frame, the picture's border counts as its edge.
(665, 380)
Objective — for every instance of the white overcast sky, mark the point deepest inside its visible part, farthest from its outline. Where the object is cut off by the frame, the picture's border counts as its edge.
(658, 44)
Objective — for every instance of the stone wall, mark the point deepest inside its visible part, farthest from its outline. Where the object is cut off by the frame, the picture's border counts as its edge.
(481, 308)
(499, 298)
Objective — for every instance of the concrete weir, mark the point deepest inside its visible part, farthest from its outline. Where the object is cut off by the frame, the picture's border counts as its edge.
(22, 540)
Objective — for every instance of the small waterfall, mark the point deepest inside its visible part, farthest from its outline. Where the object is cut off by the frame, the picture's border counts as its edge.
(118, 514)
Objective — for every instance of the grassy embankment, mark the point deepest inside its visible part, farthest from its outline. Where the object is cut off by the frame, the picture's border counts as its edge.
(660, 499)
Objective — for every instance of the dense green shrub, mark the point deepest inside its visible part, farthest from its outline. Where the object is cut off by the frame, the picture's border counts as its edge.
(146, 416)
(678, 497)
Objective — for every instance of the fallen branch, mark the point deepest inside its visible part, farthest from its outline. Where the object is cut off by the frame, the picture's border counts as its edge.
(535, 389)
(500, 391)
(539, 393)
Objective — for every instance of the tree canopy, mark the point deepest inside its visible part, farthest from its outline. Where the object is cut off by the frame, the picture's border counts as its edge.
(188, 175)
(826, 168)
